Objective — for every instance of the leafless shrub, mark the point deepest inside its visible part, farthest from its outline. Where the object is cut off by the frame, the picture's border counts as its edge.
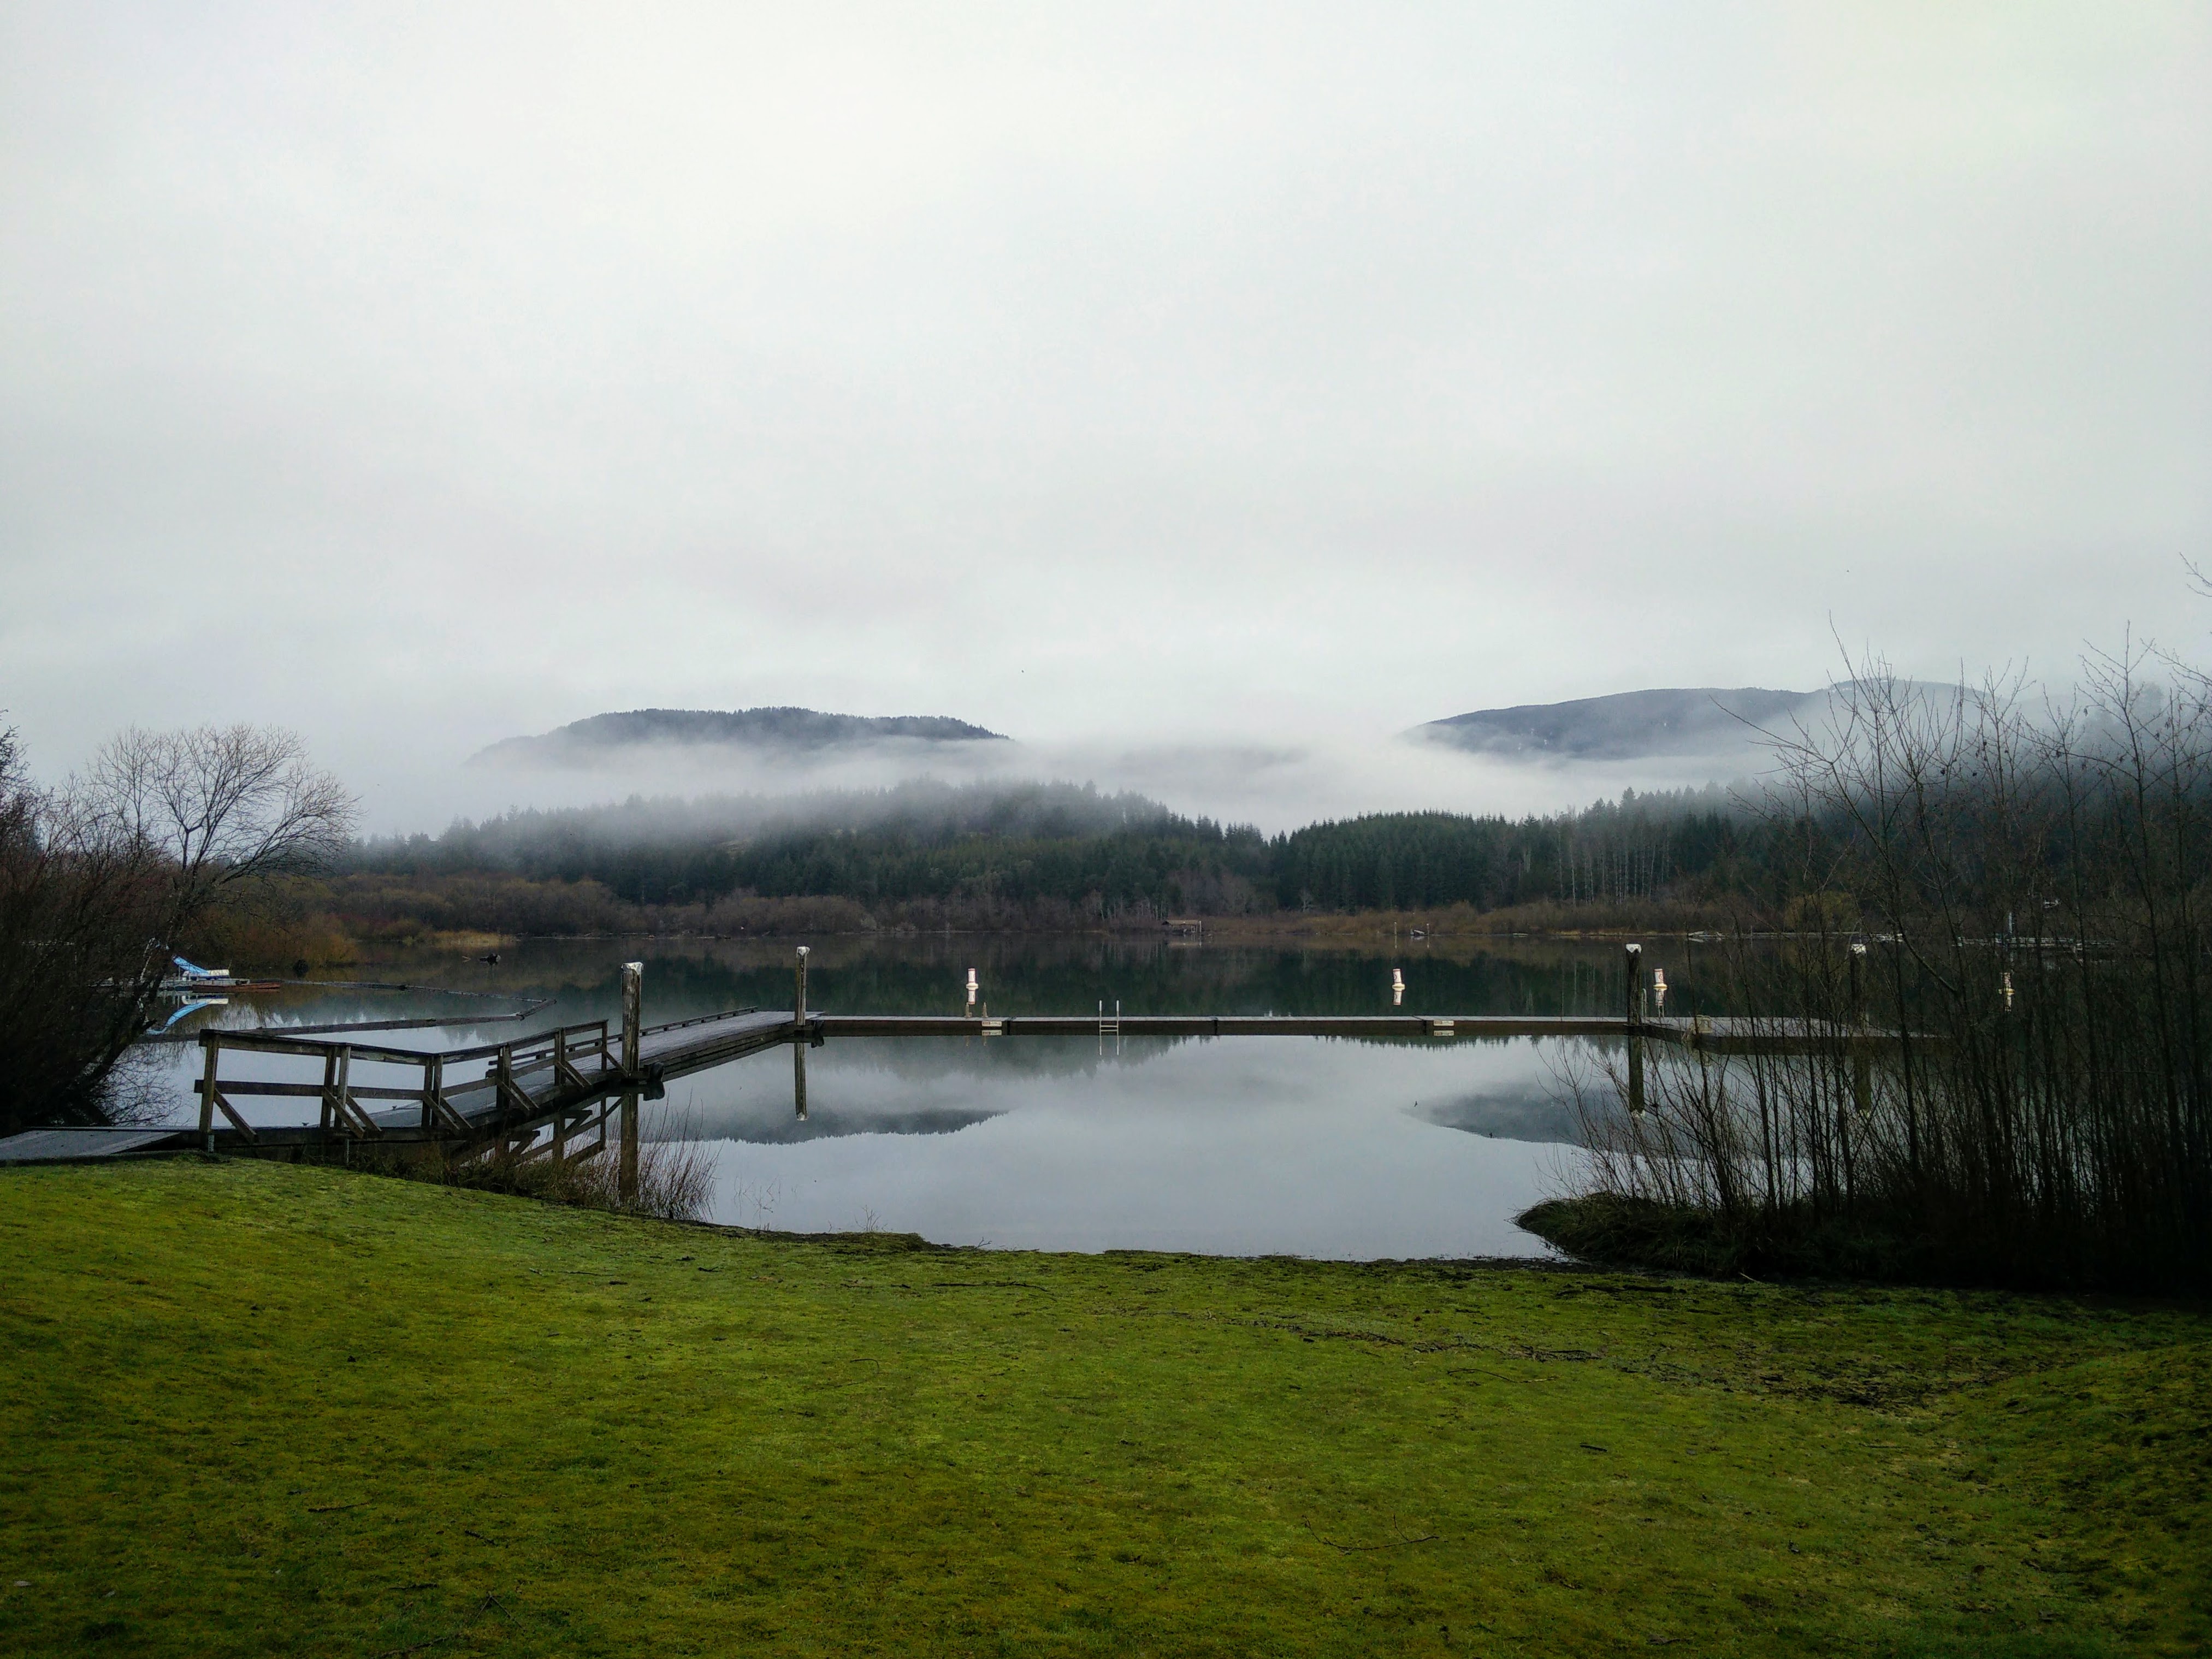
(675, 1178)
(1998, 1003)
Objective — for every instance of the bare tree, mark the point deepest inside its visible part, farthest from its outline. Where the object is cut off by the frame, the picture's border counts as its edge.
(217, 806)
(101, 879)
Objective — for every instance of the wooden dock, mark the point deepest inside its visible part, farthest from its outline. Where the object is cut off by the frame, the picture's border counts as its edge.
(567, 1081)
(558, 1092)
(1713, 1036)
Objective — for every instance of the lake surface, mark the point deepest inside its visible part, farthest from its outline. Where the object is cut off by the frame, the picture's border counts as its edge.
(1230, 1145)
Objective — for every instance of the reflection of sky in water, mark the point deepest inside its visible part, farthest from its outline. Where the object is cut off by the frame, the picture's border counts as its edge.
(1241, 1145)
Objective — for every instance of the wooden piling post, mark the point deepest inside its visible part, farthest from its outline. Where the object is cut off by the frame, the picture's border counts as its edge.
(434, 1085)
(212, 1043)
(1633, 957)
(341, 1100)
(1861, 1060)
(633, 1001)
(799, 1034)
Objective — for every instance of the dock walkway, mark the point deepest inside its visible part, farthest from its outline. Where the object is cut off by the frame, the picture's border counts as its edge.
(1714, 1036)
(567, 1078)
(555, 1092)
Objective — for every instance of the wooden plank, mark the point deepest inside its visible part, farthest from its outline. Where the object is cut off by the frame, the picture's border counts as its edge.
(352, 1110)
(695, 1019)
(513, 1097)
(564, 1069)
(214, 1046)
(486, 1050)
(275, 1045)
(432, 1074)
(76, 1145)
(305, 1090)
(340, 1108)
(231, 1112)
(450, 1118)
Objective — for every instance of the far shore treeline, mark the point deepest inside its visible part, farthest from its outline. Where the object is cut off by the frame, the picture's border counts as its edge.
(1042, 856)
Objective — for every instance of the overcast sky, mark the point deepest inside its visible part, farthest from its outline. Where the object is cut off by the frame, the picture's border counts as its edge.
(1185, 375)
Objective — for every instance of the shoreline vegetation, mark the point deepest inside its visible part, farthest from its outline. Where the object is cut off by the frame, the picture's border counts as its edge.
(2011, 1077)
(328, 943)
(863, 1444)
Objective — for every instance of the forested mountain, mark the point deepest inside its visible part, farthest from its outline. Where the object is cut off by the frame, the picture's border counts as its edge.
(1629, 724)
(606, 737)
(1077, 853)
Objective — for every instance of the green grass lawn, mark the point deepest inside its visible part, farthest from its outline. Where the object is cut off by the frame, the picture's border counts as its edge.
(255, 1409)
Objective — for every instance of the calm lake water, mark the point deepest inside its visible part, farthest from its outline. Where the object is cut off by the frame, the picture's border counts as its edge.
(1232, 1146)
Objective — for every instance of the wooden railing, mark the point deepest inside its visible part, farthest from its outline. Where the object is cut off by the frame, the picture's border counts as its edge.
(448, 1107)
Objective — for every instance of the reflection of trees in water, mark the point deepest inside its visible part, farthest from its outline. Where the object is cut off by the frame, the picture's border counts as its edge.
(1507, 1113)
(925, 1058)
(760, 1128)
(1034, 974)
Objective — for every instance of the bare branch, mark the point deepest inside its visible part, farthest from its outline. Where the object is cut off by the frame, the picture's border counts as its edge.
(221, 803)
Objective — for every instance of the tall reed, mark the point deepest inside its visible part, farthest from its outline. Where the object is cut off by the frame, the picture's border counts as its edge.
(675, 1178)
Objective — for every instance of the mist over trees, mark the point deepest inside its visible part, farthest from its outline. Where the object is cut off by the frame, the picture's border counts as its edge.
(1046, 852)
(981, 854)
(1059, 856)
(602, 736)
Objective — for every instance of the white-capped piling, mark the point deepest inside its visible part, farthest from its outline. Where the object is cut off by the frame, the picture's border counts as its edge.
(633, 1010)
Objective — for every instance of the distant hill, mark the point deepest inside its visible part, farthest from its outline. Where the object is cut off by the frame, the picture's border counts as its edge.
(604, 738)
(1629, 724)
